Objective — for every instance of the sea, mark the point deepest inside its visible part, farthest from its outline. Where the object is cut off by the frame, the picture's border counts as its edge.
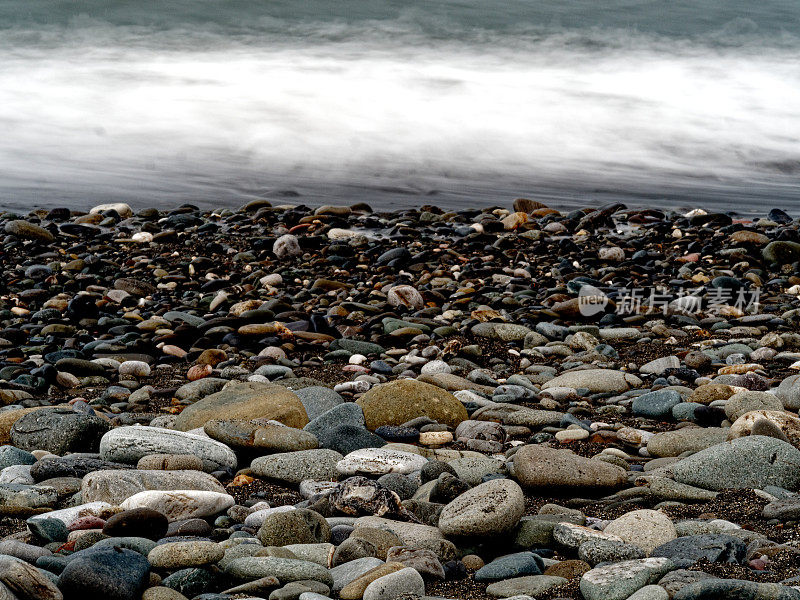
(451, 103)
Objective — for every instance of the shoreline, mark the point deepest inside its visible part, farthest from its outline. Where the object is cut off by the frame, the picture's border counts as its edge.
(555, 391)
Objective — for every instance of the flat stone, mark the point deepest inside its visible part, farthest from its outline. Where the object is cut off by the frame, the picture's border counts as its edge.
(317, 400)
(129, 444)
(181, 504)
(644, 528)
(178, 555)
(379, 461)
(245, 400)
(735, 589)
(619, 581)
(687, 439)
(399, 401)
(489, 509)
(58, 430)
(685, 551)
(595, 380)
(540, 467)
(294, 467)
(405, 583)
(116, 486)
(511, 565)
(24, 581)
(285, 569)
(748, 462)
(531, 586)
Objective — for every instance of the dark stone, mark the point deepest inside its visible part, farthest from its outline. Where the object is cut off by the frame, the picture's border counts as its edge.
(105, 573)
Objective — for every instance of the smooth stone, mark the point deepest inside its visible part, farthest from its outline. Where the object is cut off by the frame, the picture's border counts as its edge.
(180, 504)
(139, 522)
(285, 569)
(26, 582)
(379, 461)
(355, 589)
(656, 405)
(399, 401)
(596, 550)
(685, 551)
(595, 380)
(489, 509)
(748, 462)
(735, 589)
(58, 430)
(405, 583)
(350, 571)
(687, 439)
(115, 486)
(349, 438)
(299, 526)
(245, 400)
(511, 565)
(540, 467)
(644, 528)
(659, 365)
(744, 402)
(317, 400)
(619, 581)
(129, 444)
(528, 586)
(348, 413)
(108, 573)
(69, 515)
(10, 456)
(294, 467)
(178, 555)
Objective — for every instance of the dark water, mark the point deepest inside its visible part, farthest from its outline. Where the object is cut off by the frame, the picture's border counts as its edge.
(659, 103)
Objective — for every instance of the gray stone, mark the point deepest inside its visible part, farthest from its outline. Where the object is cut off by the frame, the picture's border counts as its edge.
(659, 365)
(530, 585)
(405, 583)
(25, 581)
(512, 565)
(598, 550)
(108, 573)
(348, 413)
(58, 430)
(318, 400)
(687, 439)
(619, 581)
(350, 571)
(129, 444)
(596, 380)
(116, 486)
(9, 456)
(736, 589)
(656, 405)
(744, 402)
(489, 509)
(748, 462)
(285, 569)
(685, 551)
(294, 467)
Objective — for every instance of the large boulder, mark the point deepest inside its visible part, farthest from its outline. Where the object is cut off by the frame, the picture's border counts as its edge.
(541, 467)
(245, 400)
(399, 401)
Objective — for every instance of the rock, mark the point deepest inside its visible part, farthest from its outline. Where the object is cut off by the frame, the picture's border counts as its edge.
(405, 583)
(572, 536)
(400, 401)
(656, 405)
(115, 486)
(355, 589)
(10, 456)
(489, 509)
(528, 586)
(505, 332)
(285, 569)
(379, 461)
(286, 246)
(405, 295)
(178, 555)
(109, 573)
(58, 430)
(744, 402)
(349, 572)
(423, 561)
(294, 467)
(245, 400)
(595, 380)
(748, 462)
(643, 528)
(685, 551)
(138, 522)
(298, 526)
(619, 581)
(598, 550)
(540, 467)
(789, 392)
(349, 414)
(129, 444)
(781, 252)
(182, 504)
(511, 565)
(359, 496)
(28, 231)
(318, 400)
(735, 589)
(264, 437)
(785, 425)
(688, 439)
(25, 581)
(659, 365)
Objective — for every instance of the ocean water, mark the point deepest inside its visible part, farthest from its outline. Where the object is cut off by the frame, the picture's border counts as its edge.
(454, 103)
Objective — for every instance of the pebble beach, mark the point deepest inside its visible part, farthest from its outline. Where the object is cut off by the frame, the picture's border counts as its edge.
(287, 402)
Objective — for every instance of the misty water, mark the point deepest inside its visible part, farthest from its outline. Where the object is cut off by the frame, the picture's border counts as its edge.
(457, 104)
